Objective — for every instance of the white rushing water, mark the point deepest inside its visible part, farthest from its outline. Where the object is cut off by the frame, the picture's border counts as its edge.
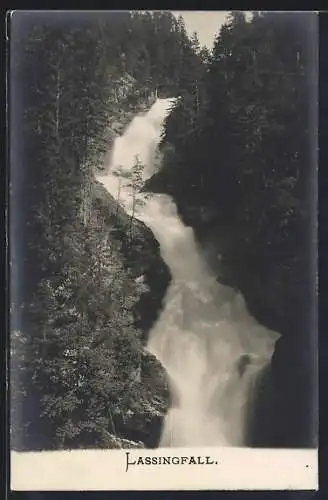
(210, 346)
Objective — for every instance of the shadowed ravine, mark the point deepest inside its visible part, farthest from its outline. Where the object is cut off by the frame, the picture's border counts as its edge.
(210, 346)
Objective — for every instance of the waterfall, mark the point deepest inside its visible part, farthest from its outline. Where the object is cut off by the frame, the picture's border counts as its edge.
(209, 344)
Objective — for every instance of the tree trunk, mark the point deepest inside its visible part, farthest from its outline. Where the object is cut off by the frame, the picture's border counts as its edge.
(57, 100)
(197, 98)
(118, 194)
(133, 208)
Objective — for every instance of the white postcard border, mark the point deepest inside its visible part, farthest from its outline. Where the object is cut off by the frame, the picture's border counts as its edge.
(210, 469)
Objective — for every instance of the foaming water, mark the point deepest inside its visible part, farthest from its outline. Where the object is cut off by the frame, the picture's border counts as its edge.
(210, 346)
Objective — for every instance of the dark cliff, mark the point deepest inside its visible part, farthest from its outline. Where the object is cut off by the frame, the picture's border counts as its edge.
(140, 256)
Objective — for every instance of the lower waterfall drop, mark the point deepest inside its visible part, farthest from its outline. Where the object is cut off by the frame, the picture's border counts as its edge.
(205, 338)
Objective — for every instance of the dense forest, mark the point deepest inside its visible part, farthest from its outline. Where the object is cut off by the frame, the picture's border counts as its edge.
(237, 160)
(80, 271)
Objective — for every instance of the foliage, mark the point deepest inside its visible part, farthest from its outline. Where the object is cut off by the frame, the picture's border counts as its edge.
(76, 350)
(242, 155)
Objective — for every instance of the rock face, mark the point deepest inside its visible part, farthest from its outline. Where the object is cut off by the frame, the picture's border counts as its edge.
(141, 256)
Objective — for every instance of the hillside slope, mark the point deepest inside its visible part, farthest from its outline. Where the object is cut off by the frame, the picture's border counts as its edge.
(86, 283)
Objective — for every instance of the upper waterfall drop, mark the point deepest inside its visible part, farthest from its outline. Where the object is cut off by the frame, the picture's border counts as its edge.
(139, 141)
(210, 346)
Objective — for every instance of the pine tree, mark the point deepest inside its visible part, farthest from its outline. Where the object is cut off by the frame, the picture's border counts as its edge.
(244, 137)
(76, 351)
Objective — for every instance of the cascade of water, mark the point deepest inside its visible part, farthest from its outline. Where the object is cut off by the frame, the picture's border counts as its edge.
(210, 346)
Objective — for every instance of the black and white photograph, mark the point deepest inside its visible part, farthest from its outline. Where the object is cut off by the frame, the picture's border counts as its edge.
(163, 249)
